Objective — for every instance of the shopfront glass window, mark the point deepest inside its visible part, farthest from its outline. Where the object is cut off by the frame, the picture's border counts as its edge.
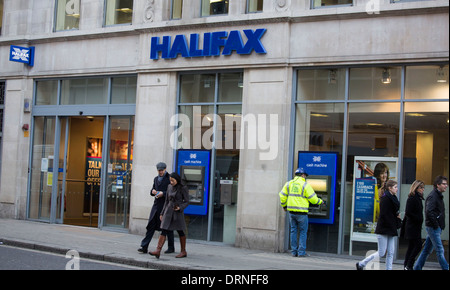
(120, 160)
(47, 92)
(375, 83)
(198, 132)
(198, 88)
(425, 153)
(118, 12)
(42, 168)
(177, 9)
(254, 6)
(320, 128)
(230, 87)
(67, 15)
(427, 82)
(214, 7)
(321, 84)
(210, 114)
(123, 90)
(84, 91)
(373, 132)
(321, 3)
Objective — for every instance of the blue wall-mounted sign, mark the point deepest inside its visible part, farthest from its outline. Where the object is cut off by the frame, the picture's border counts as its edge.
(214, 44)
(194, 168)
(22, 54)
(321, 168)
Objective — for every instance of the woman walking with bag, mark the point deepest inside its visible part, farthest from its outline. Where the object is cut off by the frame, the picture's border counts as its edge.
(413, 223)
(172, 216)
(386, 230)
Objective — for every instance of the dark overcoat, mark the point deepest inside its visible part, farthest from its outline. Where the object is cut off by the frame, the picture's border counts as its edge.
(174, 220)
(158, 204)
(388, 221)
(414, 217)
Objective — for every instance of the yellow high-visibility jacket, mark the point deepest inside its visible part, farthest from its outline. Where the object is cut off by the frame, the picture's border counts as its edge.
(297, 194)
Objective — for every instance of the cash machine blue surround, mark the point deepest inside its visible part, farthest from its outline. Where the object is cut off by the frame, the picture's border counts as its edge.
(322, 166)
(191, 160)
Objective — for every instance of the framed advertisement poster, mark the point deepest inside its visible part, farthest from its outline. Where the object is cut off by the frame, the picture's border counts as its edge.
(369, 176)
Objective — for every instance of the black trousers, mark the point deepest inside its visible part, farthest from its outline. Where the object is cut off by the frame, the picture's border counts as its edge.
(414, 248)
(151, 228)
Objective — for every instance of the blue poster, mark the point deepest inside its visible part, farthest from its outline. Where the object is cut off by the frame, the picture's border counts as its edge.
(364, 202)
(321, 168)
(194, 168)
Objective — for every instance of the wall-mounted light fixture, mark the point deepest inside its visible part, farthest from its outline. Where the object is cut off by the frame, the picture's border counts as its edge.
(386, 76)
(332, 76)
(441, 75)
(241, 80)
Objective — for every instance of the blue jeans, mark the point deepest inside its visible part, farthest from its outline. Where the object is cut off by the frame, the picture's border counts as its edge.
(298, 222)
(433, 241)
(386, 246)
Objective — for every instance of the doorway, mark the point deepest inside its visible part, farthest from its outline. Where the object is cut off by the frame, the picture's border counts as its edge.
(76, 177)
(83, 170)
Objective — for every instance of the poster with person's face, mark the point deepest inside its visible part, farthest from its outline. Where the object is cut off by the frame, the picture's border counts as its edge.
(369, 178)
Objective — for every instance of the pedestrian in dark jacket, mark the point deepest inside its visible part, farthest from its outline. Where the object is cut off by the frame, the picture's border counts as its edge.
(387, 226)
(434, 224)
(159, 191)
(172, 215)
(413, 223)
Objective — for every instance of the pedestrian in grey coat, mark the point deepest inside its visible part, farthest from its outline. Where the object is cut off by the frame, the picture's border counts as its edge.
(172, 215)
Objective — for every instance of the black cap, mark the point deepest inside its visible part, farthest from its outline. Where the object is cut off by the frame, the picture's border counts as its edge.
(161, 166)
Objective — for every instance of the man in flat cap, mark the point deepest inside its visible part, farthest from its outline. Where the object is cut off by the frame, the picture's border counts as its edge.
(159, 189)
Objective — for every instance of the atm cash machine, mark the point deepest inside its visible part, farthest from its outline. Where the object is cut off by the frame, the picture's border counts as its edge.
(194, 169)
(194, 176)
(322, 170)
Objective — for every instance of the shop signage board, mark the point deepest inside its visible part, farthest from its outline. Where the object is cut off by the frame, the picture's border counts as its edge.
(209, 44)
(22, 54)
(365, 204)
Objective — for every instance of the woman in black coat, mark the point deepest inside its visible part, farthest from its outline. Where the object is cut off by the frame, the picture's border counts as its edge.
(387, 226)
(413, 222)
(172, 215)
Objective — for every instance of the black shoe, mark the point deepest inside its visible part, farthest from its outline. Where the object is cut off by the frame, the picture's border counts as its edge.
(142, 250)
(169, 251)
(359, 267)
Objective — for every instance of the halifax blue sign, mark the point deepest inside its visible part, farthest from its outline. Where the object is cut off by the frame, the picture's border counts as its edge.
(213, 42)
(22, 54)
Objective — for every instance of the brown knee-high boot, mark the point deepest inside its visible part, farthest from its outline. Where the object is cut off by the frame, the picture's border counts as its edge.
(161, 241)
(183, 253)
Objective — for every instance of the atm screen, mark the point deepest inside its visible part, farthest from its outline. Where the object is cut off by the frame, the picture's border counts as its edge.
(321, 185)
(193, 174)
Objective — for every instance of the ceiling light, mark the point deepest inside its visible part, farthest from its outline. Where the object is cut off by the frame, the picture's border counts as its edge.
(441, 75)
(332, 76)
(386, 76)
(125, 10)
(416, 115)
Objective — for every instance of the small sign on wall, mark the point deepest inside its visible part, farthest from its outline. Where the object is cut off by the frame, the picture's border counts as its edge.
(22, 54)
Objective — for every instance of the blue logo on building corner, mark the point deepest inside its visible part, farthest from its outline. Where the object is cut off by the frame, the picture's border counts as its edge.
(22, 54)
(213, 42)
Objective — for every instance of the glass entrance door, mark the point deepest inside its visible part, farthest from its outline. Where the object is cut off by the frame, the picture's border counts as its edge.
(118, 183)
(41, 177)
